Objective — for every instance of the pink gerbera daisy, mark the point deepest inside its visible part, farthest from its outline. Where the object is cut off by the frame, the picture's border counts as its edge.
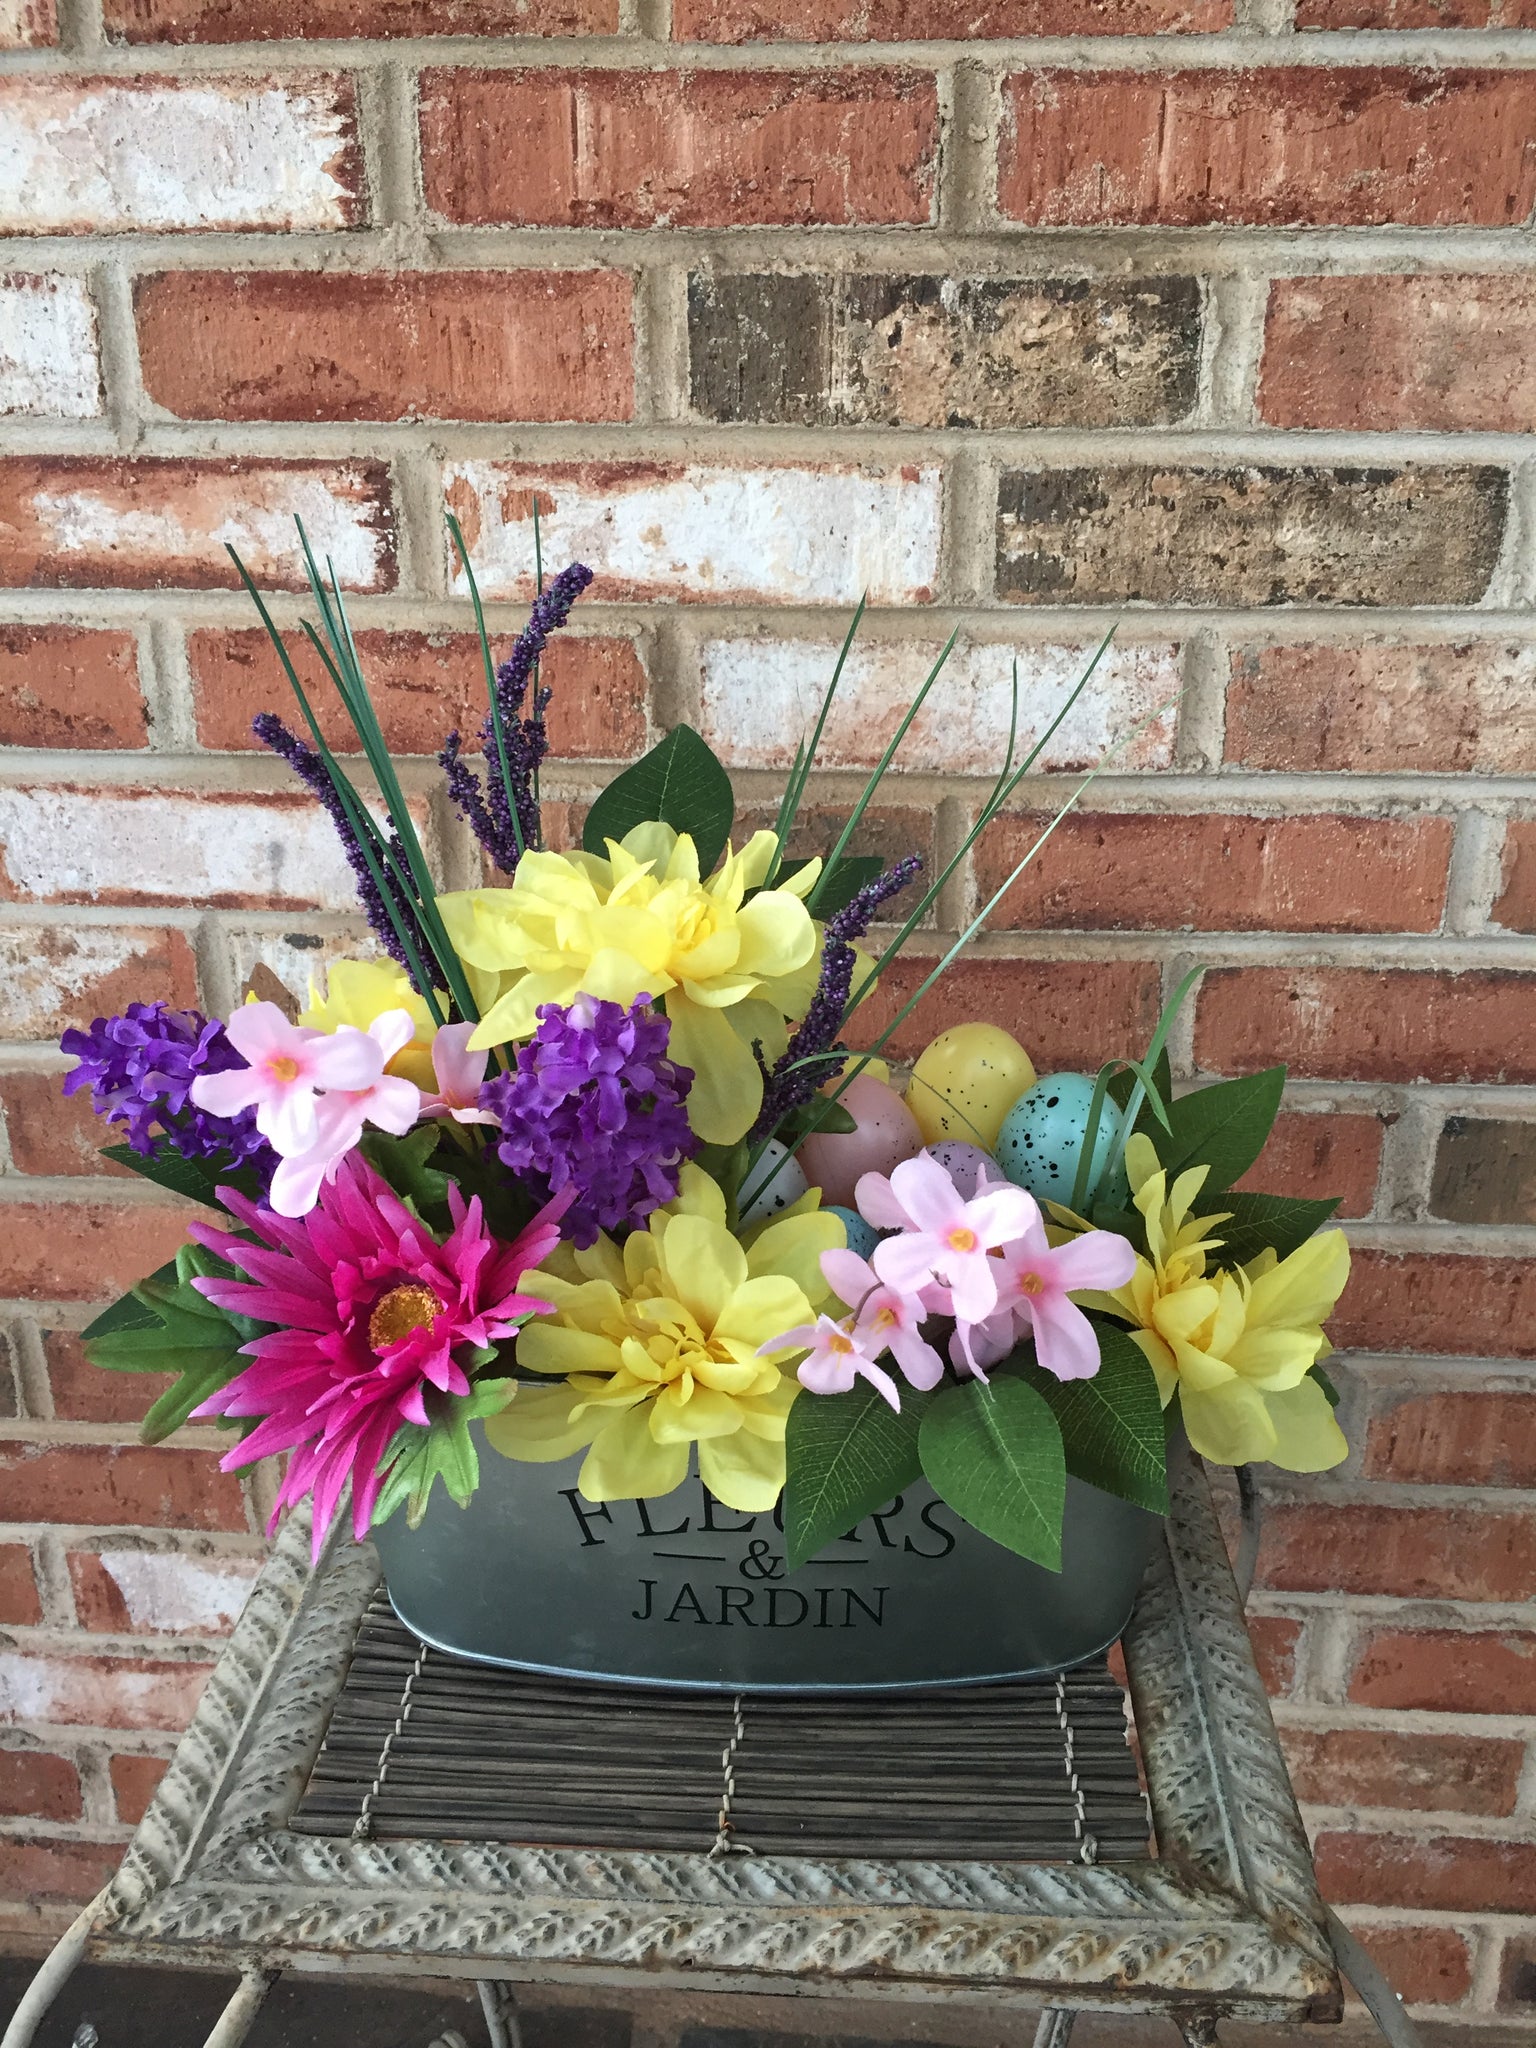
(371, 1312)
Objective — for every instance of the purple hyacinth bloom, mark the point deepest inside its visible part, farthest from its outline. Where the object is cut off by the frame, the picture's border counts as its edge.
(594, 1103)
(140, 1068)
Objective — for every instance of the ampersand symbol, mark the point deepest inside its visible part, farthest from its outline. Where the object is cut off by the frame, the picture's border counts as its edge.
(760, 1562)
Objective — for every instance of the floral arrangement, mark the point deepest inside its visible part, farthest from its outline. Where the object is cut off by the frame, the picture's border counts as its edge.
(594, 1157)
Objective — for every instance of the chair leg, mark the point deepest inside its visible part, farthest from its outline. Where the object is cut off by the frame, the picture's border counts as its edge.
(239, 2016)
(498, 2002)
(1055, 2028)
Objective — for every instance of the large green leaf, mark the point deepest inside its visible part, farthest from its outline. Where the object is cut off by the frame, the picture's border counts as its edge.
(417, 1458)
(1223, 1127)
(679, 781)
(995, 1454)
(1112, 1425)
(198, 1179)
(180, 1332)
(1277, 1223)
(835, 891)
(403, 1163)
(847, 1454)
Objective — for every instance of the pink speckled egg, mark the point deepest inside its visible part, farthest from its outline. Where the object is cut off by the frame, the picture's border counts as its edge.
(886, 1133)
(967, 1166)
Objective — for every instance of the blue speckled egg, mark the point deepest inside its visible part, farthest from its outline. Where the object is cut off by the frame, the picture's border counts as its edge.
(761, 1196)
(966, 1164)
(1042, 1136)
(862, 1236)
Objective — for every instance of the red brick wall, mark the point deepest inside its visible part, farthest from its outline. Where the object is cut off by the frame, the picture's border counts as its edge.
(1026, 316)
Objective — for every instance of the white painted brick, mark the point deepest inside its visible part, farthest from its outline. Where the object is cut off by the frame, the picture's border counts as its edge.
(777, 534)
(49, 362)
(762, 694)
(97, 1692)
(173, 1595)
(293, 959)
(26, 23)
(109, 156)
(48, 976)
(105, 845)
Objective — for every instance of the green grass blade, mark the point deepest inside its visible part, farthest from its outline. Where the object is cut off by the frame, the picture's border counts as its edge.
(805, 755)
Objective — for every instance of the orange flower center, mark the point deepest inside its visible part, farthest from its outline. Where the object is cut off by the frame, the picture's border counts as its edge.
(1031, 1283)
(403, 1309)
(839, 1343)
(961, 1240)
(282, 1068)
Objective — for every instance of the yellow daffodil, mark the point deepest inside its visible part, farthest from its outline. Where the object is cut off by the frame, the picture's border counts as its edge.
(642, 922)
(1237, 1347)
(657, 1345)
(358, 991)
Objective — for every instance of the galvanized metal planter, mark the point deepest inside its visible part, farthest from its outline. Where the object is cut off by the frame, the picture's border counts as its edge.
(682, 1591)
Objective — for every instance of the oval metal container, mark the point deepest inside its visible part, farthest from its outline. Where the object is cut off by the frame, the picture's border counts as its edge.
(683, 1591)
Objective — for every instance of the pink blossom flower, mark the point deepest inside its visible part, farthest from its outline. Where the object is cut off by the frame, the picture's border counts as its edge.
(1035, 1283)
(838, 1355)
(372, 1315)
(287, 1063)
(949, 1239)
(388, 1101)
(888, 1319)
(460, 1074)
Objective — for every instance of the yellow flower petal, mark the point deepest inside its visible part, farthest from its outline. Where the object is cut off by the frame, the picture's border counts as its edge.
(727, 1089)
(627, 1463)
(537, 1428)
(745, 1472)
(704, 1266)
(1307, 1435)
(707, 1413)
(544, 1346)
(792, 1247)
(1303, 1289)
(1230, 1425)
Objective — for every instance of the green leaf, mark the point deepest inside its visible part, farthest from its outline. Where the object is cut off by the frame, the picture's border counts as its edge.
(1223, 1127)
(681, 782)
(1112, 1425)
(846, 1455)
(1329, 1389)
(131, 1312)
(995, 1454)
(181, 1332)
(403, 1163)
(198, 1179)
(836, 891)
(417, 1458)
(1277, 1223)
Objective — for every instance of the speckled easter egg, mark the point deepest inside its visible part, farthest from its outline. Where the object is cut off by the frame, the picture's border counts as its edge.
(862, 1236)
(1042, 1137)
(761, 1196)
(965, 1081)
(966, 1165)
(884, 1135)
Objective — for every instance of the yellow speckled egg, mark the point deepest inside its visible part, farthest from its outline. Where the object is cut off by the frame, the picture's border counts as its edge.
(966, 1081)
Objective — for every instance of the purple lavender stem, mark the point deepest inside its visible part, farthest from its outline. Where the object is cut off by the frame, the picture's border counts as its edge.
(791, 1084)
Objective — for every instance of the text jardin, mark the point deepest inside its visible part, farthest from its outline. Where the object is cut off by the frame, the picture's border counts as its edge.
(766, 1606)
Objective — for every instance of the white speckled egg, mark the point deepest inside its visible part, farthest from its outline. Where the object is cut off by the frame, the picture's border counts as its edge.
(862, 1236)
(761, 1197)
(967, 1165)
(1042, 1137)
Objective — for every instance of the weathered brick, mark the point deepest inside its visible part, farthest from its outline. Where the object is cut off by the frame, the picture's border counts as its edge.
(19, 1606)
(134, 1779)
(1309, 1155)
(890, 830)
(1249, 536)
(1410, 1553)
(1171, 871)
(78, 1251)
(1275, 146)
(1357, 1023)
(120, 1485)
(1485, 1171)
(125, 155)
(894, 21)
(1275, 1639)
(51, 1132)
(1455, 1439)
(61, 1869)
(423, 685)
(82, 521)
(449, 345)
(1448, 1671)
(158, 1592)
(1517, 1974)
(1415, 14)
(1443, 1874)
(1439, 352)
(1424, 1965)
(38, 1786)
(778, 533)
(248, 21)
(61, 686)
(937, 351)
(49, 363)
(1066, 1013)
(1516, 907)
(762, 694)
(1426, 1301)
(53, 978)
(28, 24)
(99, 1692)
(1383, 710)
(637, 149)
(212, 847)
(1377, 1767)
(83, 1392)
